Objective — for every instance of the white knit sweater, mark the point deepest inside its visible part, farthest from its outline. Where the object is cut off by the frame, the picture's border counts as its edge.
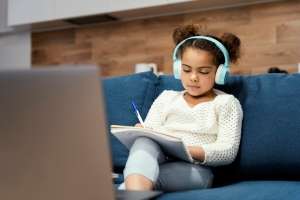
(214, 125)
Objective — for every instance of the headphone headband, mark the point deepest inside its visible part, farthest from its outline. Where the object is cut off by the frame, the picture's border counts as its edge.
(216, 42)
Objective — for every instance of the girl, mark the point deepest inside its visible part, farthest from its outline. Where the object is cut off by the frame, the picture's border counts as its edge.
(207, 120)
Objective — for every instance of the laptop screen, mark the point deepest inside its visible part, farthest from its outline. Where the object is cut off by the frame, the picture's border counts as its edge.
(53, 137)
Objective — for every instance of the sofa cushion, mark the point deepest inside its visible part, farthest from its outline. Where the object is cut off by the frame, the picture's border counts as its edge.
(118, 94)
(270, 142)
(247, 190)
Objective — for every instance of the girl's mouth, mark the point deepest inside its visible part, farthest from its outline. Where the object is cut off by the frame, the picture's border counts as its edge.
(193, 87)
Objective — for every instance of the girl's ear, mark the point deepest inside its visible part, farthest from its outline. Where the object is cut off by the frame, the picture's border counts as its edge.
(222, 72)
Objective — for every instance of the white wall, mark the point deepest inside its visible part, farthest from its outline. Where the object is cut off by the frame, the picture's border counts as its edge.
(32, 11)
(15, 50)
(23, 12)
(15, 47)
(3, 17)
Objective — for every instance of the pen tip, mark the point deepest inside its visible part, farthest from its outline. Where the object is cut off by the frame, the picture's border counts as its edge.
(133, 104)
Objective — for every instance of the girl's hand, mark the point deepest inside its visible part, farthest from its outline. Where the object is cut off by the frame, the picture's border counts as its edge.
(197, 153)
(138, 125)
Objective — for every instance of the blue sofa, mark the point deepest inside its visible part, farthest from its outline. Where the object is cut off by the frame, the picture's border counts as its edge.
(268, 162)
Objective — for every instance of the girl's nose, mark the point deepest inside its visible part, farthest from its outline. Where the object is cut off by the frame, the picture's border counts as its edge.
(194, 77)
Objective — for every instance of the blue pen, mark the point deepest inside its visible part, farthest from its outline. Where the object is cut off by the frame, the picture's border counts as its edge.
(137, 114)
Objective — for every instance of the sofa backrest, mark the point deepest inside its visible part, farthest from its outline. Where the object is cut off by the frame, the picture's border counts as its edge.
(271, 126)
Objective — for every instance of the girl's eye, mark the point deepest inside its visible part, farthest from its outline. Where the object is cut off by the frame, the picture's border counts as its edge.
(186, 70)
(203, 72)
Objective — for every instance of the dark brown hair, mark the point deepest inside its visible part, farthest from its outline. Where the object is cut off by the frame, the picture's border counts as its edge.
(229, 40)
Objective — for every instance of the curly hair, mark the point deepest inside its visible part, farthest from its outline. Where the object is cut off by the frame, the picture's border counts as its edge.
(229, 40)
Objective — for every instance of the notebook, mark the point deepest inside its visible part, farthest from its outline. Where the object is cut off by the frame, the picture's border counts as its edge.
(170, 144)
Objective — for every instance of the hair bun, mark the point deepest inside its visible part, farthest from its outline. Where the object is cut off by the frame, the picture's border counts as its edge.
(186, 31)
(232, 43)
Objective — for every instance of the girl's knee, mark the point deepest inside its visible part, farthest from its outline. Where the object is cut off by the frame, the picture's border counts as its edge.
(146, 145)
(143, 141)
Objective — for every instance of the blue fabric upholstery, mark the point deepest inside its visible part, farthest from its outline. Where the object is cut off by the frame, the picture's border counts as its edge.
(270, 142)
(246, 190)
(118, 94)
(167, 82)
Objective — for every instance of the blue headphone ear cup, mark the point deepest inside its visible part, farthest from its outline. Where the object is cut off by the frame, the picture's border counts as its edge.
(177, 68)
(221, 73)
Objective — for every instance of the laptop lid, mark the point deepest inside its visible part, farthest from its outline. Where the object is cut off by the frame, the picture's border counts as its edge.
(53, 137)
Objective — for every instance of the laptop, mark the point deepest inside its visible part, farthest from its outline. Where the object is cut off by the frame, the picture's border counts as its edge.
(53, 137)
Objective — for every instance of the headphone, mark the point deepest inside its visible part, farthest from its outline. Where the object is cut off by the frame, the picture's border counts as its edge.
(222, 70)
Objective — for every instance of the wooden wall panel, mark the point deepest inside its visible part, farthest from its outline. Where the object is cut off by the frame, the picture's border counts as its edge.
(270, 35)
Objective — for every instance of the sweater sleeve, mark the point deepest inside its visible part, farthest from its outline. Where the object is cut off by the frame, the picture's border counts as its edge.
(224, 150)
(154, 118)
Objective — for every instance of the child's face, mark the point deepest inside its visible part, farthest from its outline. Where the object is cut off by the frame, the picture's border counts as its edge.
(197, 72)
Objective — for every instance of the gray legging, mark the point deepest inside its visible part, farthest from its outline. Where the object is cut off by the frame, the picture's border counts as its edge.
(146, 158)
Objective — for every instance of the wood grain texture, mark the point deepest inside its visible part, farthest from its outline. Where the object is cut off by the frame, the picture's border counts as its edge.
(270, 35)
